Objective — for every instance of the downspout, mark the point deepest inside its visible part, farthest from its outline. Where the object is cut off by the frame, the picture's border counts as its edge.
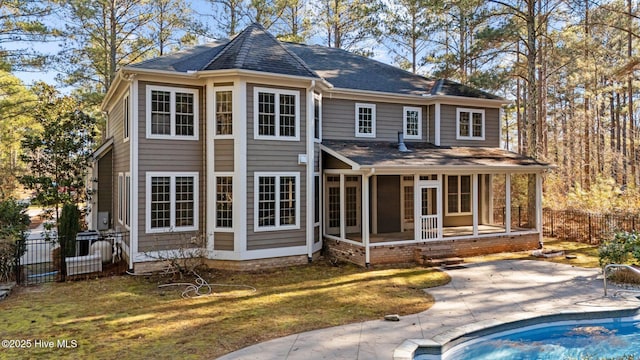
(310, 171)
(366, 217)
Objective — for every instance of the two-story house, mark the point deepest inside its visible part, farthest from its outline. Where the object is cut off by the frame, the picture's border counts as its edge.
(267, 151)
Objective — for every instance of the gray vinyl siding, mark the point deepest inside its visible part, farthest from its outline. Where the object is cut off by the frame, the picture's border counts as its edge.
(121, 159)
(223, 241)
(170, 156)
(448, 127)
(275, 156)
(339, 116)
(223, 154)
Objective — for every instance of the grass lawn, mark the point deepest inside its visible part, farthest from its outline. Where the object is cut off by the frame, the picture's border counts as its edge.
(586, 255)
(131, 318)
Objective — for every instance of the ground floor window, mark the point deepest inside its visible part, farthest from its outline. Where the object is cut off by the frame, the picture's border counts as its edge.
(172, 201)
(276, 201)
(224, 202)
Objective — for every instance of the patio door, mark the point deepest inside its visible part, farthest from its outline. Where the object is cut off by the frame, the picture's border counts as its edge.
(427, 198)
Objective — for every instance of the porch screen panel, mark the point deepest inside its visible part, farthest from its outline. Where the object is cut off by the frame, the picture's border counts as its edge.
(452, 194)
(523, 202)
(333, 205)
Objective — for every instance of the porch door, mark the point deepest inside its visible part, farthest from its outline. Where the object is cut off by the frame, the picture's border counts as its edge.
(427, 199)
(352, 204)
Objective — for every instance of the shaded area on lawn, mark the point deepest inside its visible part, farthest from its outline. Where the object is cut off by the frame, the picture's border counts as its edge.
(130, 317)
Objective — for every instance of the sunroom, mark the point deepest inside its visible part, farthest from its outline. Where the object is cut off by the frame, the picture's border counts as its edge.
(380, 203)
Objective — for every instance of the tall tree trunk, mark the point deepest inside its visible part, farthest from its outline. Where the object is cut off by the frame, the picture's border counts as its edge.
(632, 147)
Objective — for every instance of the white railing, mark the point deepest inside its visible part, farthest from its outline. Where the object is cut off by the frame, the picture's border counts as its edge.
(610, 266)
(429, 227)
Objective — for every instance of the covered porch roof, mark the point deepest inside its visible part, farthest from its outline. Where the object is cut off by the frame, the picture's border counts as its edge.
(365, 155)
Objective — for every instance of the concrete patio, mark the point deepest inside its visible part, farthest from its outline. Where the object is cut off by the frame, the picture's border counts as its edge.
(489, 292)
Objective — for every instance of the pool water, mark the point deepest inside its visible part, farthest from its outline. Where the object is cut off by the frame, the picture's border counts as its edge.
(612, 338)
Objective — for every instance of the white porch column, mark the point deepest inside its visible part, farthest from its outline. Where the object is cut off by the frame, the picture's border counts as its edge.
(474, 202)
(539, 205)
(365, 219)
(507, 203)
(343, 208)
(439, 207)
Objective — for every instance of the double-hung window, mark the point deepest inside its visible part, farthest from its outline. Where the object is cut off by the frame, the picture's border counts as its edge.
(458, 195)
(124, 199)
(172, 113)
(276, 114)
(224, 202)
(412, 122)
(172, 201)
(365, 120)
(224, 111)
(470, 124)
(276, 201)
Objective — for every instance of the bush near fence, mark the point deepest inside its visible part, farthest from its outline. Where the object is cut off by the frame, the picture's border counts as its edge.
(585, 227)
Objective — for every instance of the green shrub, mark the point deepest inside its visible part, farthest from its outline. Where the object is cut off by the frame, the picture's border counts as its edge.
(68, 228)
(14, 223)
(618, 249)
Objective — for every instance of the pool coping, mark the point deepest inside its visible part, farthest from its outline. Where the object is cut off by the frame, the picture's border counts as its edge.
(442, 342)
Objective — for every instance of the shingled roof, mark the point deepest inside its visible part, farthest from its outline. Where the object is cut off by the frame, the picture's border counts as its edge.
(257, 50)
(367, 154)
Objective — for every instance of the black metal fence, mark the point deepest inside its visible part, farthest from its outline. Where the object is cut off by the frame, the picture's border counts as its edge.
(50, 258)
(585, 227)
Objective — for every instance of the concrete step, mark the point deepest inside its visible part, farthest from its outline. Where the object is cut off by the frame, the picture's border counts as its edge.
(443, 262)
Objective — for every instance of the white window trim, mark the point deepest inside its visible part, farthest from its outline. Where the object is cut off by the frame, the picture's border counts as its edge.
(173, 91)
(215, 115)
(319, 98)
(404, 122)
(471, 112)
(256, 197)
(373, 120)
(446, 197)
(121, 201)
(277, 93)
(127, 200)
(172, 200)
(126, 118)
(215, 201)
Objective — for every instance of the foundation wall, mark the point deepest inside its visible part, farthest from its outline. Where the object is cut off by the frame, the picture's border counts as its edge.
(398, 254)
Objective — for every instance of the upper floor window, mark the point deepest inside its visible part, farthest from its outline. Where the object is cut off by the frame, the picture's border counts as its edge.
(224, 111)
(412, 122)
(125, 118)
(276, 201)
(365, 120)
(172, 202)
(172, 113)
(458, 195)
(470, 124)
(276, 114)
(317, 117)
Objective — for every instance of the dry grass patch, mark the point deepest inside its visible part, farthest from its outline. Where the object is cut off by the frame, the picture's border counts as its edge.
(586, 255)
(130, 317)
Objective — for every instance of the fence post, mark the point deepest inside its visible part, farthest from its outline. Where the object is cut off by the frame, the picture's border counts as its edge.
(16, 261)
(589, 228)
(552, 222)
